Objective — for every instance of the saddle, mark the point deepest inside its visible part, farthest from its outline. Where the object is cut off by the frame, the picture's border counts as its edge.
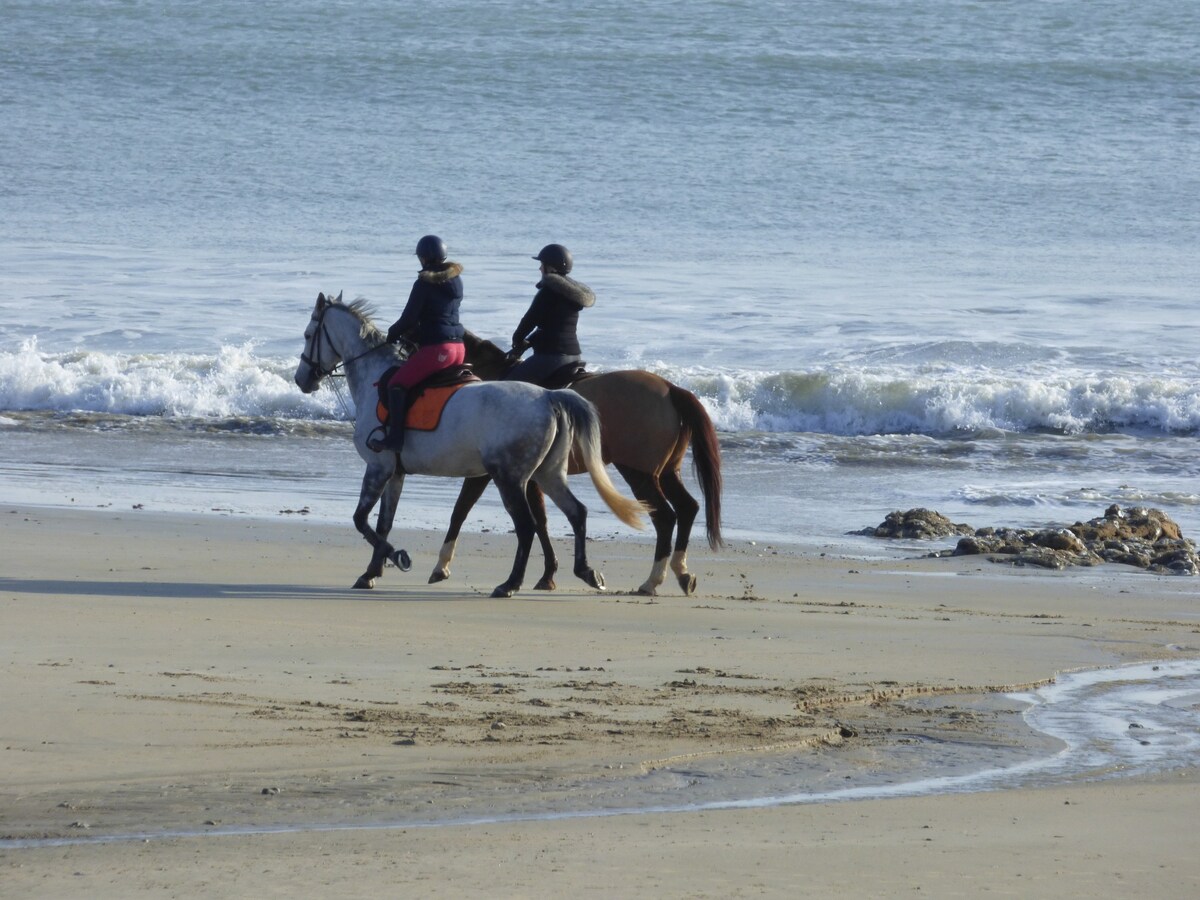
(565, 376)
(425, 399)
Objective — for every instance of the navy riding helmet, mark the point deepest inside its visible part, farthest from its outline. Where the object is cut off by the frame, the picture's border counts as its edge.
(556, 257)
(431, 249)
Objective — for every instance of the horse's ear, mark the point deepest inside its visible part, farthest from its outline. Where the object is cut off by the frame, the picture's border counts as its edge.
(339, 299)
(320, 298)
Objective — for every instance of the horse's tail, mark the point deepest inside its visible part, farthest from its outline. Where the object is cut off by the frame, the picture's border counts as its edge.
(583, 423)
(706, 458)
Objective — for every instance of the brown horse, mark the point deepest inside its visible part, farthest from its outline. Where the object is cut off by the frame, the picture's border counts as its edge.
(646, 425)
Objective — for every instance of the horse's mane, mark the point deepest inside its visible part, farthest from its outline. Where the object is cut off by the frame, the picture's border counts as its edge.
(363, 310)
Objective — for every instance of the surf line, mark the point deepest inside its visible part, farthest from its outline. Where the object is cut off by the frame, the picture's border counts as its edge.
(1118, 722)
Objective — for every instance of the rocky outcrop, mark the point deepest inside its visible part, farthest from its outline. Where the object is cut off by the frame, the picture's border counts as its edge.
(916, 524)
(1145, 538)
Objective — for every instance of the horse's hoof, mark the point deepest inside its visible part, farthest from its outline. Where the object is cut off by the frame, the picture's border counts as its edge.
(644, 591)
(364, 583)
(504, 591)
(546, 584)
(687, 581)
(438, 575)
(401, 560)
(592, 577)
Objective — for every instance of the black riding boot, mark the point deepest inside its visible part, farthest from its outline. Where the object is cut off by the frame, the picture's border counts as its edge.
(393, 439)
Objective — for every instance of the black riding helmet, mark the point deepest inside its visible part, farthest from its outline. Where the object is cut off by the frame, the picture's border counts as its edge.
(431, 249)
(556, 257)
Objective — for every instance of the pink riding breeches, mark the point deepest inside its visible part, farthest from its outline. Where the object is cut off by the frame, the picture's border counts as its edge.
(427, 360)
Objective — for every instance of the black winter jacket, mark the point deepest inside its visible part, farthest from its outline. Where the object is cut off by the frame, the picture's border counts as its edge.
(549, 324)
(431, 313)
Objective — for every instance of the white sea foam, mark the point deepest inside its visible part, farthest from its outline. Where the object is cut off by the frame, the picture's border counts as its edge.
(865, 402)
(236, 381)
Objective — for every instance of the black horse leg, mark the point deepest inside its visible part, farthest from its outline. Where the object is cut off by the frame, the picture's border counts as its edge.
(366, 580)
(646, 488)
(375, 480)
(512, 492)
(388, 502)
(468, 495)
(686, 508)
(555, 486)
(537, 503)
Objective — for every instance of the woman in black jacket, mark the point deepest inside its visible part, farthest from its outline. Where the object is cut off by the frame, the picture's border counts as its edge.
(430, 319)
(549, 326)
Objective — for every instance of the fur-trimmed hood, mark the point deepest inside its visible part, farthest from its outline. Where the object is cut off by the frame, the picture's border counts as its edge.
(442, 275)
(568, 288)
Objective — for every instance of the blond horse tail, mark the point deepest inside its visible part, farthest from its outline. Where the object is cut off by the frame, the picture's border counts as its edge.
(585, 429)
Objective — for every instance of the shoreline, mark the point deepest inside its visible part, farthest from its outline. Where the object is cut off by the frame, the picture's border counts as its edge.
(167, 668)
(1033, 758)
(198, 466)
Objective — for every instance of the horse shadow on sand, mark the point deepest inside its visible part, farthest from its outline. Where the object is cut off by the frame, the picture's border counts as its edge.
(190, 590)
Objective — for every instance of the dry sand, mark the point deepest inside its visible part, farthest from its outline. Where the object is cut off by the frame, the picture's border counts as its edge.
(200, 675)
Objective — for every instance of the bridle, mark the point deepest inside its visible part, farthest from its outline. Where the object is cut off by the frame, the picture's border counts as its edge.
(314, 359)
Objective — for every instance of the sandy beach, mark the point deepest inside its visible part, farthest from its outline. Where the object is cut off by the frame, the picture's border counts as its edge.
(213, 687)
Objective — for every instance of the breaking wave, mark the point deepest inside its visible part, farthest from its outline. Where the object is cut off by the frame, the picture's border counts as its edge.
(235, 382)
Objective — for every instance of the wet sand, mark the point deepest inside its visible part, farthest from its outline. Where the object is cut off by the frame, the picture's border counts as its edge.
(206, 675)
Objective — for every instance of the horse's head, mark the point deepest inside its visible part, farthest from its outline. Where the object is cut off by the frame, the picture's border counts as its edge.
(319, 357)
(487, 359)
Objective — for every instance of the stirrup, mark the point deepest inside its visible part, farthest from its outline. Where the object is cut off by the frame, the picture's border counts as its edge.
(380, 444)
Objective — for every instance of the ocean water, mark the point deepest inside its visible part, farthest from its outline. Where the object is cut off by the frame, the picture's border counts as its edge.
(907, 254)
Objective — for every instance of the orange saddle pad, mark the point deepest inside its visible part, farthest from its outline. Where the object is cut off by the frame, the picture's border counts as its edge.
(426, 411)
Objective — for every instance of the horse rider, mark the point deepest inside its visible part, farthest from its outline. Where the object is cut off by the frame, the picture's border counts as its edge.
(430, 319)
(550, 322)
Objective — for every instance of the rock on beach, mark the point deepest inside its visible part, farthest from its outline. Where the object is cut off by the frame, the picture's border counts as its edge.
(916, 524)
(1144, 538)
